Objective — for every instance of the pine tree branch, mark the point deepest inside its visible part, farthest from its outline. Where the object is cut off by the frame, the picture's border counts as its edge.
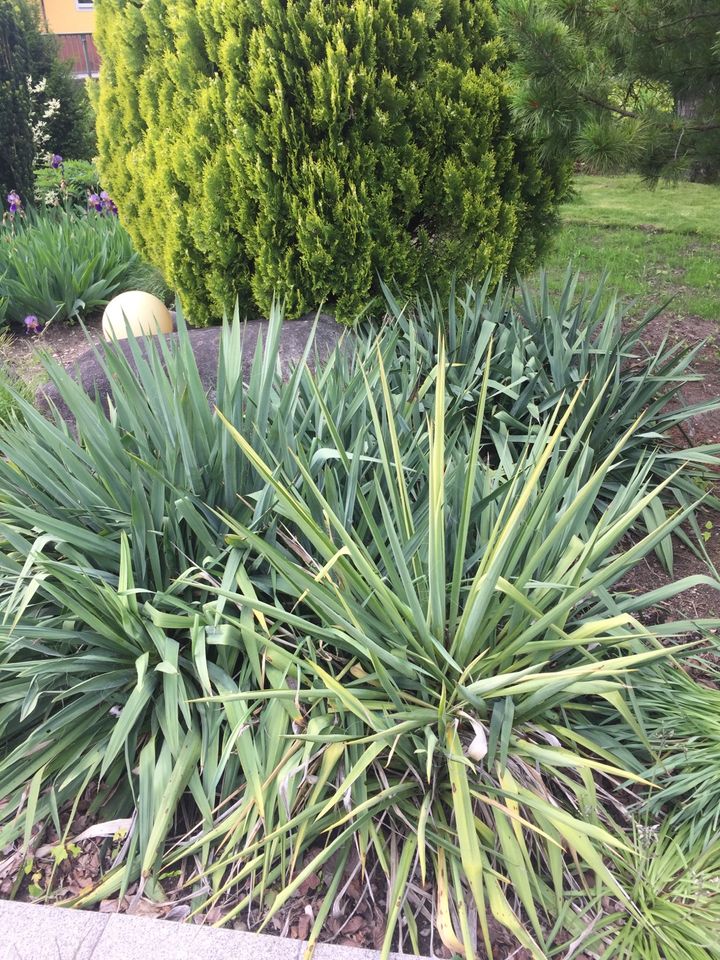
(603, 104)
(631, 115)
(551, 60)
(690, 18)
(658, 37)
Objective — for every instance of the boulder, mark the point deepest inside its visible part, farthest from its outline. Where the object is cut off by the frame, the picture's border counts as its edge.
(88, 372)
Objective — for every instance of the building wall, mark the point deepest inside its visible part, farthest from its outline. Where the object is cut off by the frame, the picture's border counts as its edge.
(73, 22)
(69, 16)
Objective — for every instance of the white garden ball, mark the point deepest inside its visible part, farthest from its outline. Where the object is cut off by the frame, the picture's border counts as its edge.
(142, 312)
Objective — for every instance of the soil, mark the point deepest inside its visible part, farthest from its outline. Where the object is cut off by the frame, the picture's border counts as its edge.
(72, 867)
(700, 602)
(63, 341)
(356, 919)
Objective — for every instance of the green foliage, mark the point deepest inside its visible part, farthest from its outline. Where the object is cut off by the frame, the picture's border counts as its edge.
(63, 265)
(675, 883)
(543, 347)
(260, 149)
(132, 503)
(72, 134)
(623, 85)
(682, 722)
(436, 662)
(42, 107)
(324, 623)
(16, 142)
(72, 183)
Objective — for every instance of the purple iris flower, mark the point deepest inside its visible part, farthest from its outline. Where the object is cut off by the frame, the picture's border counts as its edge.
(56, 161)
(32, 324)
(102, 203)
(14, 202)
(108, 202)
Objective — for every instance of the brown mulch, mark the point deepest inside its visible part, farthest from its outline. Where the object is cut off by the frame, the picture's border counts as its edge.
(701, 602)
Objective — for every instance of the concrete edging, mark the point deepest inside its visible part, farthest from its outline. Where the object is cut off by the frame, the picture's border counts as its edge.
(31, 931)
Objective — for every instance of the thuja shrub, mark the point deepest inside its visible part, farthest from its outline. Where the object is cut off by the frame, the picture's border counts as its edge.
(302, 149)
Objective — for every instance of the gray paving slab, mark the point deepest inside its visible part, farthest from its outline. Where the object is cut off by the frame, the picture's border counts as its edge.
(328, 951)
(32, 932)
(138, 938)
(35, 932)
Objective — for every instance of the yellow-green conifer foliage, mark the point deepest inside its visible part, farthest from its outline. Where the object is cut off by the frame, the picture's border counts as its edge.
(305, 148)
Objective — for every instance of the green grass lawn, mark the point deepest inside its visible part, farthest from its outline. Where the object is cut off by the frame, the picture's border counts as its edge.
(655, 244)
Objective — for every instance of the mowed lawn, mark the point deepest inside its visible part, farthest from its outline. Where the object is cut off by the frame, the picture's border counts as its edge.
(654, 243)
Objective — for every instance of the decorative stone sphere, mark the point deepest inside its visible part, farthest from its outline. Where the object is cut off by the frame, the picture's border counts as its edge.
(141, 312)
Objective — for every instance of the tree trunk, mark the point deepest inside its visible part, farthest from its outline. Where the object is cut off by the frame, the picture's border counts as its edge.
(688, 106)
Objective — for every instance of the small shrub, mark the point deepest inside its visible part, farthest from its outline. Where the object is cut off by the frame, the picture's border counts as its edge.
(64, 266)
(72, 183)
(300, 151)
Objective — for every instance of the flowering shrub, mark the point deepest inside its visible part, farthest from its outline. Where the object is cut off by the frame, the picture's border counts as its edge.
(42, 111)
(69, 182)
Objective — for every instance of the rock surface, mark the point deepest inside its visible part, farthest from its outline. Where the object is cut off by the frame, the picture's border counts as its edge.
(88, 372)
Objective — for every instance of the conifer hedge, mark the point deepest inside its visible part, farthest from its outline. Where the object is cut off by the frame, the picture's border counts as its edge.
(16, 141)
(305, 147)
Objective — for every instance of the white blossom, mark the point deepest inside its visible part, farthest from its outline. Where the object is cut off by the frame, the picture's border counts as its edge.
(39, 87)
(40, 113)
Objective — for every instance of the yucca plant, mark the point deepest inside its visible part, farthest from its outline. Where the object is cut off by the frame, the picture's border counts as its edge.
(412, 694)
(314, 631)
(97, 523)
(545, 346)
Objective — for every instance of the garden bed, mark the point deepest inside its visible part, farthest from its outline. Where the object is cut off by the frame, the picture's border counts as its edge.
(334, 892)
(64, 342)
